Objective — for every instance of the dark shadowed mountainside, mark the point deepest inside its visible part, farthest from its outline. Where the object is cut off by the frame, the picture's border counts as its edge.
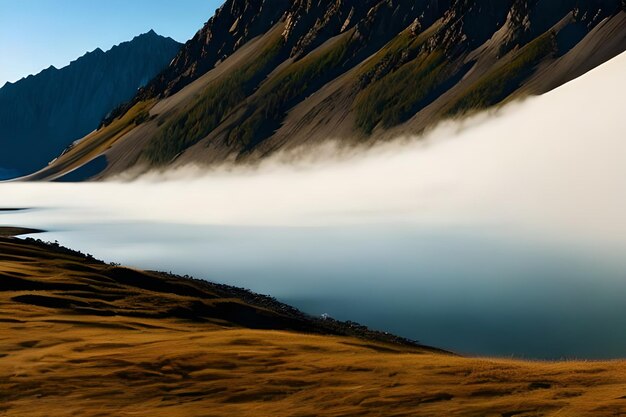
(262, 76)
(41, 115)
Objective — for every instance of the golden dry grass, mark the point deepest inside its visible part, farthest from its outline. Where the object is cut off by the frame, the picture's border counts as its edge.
(103, 354)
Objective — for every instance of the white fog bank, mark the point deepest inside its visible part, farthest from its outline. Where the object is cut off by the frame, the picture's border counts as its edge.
(552, 165)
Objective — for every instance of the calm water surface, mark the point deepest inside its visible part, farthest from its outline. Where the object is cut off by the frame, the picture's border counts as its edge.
(459, 289)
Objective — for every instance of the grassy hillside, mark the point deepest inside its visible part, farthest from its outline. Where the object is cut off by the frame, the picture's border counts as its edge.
(398, 96)
(199, 118)
(280, 92)
(80, 337)
(504, 79)
(398, 81)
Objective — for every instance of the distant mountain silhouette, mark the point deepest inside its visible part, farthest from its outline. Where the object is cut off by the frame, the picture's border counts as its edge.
(42, 114)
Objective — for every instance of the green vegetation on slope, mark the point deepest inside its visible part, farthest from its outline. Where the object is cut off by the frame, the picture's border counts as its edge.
(399, 80)
(284, 89)
(197, 120)
(391, 54)
(498, 84)
(397, 96)
(399, 85)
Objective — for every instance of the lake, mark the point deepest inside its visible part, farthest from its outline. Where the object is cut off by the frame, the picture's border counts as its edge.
(458, 289)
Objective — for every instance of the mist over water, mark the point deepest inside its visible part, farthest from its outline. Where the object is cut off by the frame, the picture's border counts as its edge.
(499, 235)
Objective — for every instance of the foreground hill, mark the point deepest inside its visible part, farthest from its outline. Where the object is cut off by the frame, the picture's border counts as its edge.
(80, 337)
(265, 76)
(42, 114)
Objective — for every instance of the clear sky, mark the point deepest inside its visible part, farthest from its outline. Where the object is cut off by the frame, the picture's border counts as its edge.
(35, 34)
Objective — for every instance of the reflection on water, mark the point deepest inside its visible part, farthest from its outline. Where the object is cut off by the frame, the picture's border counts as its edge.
(457, 289)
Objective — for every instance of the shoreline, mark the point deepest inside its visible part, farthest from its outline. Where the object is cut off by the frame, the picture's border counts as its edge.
(8, 231)
(128, 341)
(318, 325)
(348, 327)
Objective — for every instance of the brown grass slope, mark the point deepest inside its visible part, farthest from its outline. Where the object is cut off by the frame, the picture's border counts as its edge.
(80, 337)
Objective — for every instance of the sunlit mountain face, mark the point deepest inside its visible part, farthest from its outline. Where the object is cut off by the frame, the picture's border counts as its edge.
(265, 77)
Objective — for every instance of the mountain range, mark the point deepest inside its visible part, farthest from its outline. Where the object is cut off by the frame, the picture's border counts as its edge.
(262, 76)
(42, 114)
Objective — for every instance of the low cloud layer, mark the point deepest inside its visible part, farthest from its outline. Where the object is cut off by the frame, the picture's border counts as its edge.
(551, 166)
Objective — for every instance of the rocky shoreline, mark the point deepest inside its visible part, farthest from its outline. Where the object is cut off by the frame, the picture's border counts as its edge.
(291, 318)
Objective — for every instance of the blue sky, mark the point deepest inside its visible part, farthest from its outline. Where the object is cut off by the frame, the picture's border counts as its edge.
(35, 34)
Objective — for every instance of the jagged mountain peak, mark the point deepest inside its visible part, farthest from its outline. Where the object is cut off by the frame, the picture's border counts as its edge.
(42, 114)
(263, 75)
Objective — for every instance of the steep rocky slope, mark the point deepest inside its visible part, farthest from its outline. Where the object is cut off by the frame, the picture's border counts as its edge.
(42, 114)
(263, 76)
